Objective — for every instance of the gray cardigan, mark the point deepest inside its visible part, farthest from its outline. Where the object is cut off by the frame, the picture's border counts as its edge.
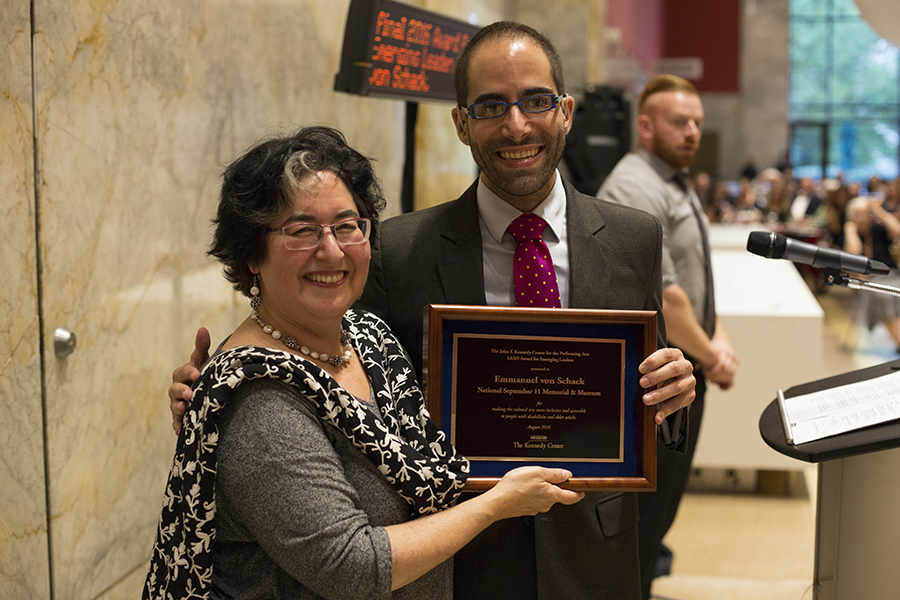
(299, 508)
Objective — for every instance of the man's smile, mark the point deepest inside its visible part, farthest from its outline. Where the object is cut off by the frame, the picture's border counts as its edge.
(518, 155)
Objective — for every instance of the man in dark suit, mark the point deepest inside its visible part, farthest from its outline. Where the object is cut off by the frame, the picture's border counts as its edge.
(460, 253)
(433, 256)
(605, 256)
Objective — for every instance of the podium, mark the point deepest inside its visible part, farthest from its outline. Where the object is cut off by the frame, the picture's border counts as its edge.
(857, 524)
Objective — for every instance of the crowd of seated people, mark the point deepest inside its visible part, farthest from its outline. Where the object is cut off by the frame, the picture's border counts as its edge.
(858, 217)
(802, 207)
(872, 228)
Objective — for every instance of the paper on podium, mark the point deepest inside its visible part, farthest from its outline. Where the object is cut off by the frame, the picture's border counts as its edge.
(840, 409)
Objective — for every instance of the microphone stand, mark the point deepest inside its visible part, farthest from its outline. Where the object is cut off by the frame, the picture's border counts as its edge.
(836, 277)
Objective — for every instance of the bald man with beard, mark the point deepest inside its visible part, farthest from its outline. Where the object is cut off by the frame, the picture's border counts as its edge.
(653, 178)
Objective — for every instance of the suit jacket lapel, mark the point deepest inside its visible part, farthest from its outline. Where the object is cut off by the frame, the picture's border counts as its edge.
(590, 283)
(459, 264)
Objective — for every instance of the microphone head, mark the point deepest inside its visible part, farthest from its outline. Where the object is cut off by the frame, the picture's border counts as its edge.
(878, 268)
(766, 244)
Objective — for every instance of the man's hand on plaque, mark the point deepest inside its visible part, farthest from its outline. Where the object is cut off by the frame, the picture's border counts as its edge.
(669, 378)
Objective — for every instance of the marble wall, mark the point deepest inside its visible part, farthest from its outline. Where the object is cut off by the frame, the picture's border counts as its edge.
(24, 566)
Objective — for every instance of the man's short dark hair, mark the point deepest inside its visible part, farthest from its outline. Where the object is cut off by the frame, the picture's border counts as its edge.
(665, 83)
(261, 185)
(504, 30)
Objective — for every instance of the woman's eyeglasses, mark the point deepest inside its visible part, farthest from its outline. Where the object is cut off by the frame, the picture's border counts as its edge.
(304, 236)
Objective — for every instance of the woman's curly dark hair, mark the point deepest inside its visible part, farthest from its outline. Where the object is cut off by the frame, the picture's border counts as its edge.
(260, 186)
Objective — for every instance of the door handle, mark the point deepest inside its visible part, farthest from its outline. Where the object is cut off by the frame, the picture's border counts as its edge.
(63, 342)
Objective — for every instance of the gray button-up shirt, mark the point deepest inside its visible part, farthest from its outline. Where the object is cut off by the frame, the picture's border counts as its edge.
(645, 181)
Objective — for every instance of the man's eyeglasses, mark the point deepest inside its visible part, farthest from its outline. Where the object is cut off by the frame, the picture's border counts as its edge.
(304, 236)
(497, 108)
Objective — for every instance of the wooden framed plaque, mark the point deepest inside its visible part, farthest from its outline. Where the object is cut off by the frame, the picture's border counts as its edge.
(552, 387)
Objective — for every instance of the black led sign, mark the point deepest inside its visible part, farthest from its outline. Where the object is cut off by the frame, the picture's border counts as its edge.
(394, 49)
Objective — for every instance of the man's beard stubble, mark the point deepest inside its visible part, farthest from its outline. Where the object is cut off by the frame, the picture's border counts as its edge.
(519, 184)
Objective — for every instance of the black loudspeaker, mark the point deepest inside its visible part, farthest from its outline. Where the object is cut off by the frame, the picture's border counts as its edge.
(600, 136)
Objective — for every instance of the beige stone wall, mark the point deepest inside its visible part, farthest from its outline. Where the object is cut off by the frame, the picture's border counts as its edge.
(24, 571)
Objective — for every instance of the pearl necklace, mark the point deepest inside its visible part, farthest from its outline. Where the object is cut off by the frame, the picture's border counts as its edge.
(291, 343)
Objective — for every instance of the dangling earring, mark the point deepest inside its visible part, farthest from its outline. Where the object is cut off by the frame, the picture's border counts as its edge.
(255, 301)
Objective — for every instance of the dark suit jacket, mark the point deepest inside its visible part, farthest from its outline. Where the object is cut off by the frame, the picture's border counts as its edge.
(433, 256)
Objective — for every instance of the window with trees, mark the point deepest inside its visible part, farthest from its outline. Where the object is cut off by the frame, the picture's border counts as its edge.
(844, 93)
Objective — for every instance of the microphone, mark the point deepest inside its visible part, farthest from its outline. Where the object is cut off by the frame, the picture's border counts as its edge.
(775, 245)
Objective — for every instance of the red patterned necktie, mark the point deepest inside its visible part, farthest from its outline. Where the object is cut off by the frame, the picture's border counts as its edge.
(535, 279)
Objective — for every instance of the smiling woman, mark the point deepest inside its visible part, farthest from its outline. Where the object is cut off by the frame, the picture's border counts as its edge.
(305, 291)
(307, 465)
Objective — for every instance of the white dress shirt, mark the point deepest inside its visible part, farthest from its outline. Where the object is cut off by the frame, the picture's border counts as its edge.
(498, 245)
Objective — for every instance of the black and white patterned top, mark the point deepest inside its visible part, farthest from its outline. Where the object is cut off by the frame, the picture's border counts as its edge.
(406, 447)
